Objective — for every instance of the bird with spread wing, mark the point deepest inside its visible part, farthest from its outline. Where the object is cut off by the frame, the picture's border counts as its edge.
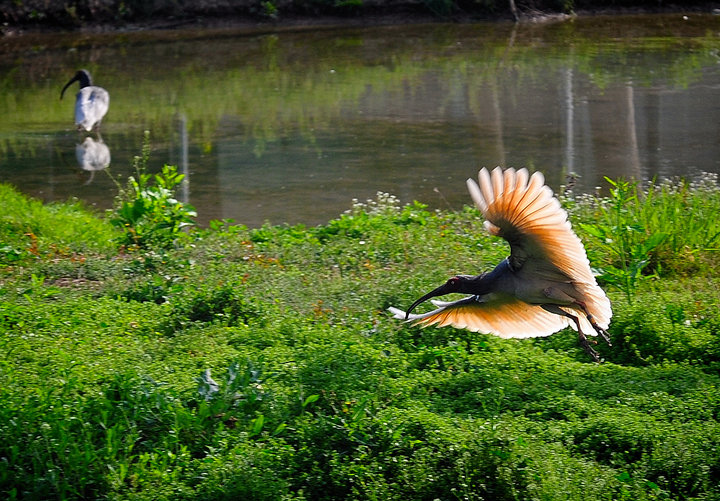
(544, 285)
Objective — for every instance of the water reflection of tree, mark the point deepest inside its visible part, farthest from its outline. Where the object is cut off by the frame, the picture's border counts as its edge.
(307, 82)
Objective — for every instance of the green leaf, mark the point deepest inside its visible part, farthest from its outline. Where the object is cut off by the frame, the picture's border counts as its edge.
(257, 425)
(624, 477)
(594, 230)
(309, 400)
(654, 240)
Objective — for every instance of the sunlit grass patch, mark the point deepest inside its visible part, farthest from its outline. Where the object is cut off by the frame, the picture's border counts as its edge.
(28, 228)
(262, 364)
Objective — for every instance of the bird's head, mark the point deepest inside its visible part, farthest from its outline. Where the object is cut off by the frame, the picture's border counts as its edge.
(459, 283)
(82, 76)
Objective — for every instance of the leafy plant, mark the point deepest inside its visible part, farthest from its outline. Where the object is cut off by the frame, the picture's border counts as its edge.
(147, 210)
(627, 244)
(225, 304)
(269, 9)
(670, 227)
(238, 398)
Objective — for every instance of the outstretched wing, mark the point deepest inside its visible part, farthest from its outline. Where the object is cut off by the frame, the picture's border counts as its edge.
(503, 316)
(521, 209)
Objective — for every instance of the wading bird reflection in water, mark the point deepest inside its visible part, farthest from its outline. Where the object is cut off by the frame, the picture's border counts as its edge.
(91, 103)
(92, 156)
(544, 285)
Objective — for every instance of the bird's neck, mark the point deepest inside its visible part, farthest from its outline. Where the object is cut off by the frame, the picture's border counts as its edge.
(477, 285)
(84, 81)
(486, 283)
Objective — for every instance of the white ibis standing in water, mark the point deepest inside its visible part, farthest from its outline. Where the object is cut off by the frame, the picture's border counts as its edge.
(543, 286)
(91, 102)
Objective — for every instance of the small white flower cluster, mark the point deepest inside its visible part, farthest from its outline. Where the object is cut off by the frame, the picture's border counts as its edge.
(667, 185)
(592, 200)
(382, 204)
(706, 182)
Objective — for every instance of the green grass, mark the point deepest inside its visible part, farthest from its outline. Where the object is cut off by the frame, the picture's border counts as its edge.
(261, 364)
(30, 229)
(636, 234)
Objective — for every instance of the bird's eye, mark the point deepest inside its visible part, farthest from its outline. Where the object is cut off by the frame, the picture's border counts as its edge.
(453, 281)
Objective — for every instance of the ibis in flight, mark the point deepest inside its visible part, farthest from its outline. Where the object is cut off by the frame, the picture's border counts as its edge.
(543, 286)
(91, 103)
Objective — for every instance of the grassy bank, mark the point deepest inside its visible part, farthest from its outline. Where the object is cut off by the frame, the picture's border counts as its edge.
(143, 360)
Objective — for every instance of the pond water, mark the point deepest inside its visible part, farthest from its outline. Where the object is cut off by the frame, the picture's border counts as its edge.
(288, 126)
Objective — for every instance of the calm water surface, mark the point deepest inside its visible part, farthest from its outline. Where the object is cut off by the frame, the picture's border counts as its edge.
(290, 126)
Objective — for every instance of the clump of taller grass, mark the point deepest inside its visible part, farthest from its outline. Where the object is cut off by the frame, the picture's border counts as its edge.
(668, 227)
(688, 212)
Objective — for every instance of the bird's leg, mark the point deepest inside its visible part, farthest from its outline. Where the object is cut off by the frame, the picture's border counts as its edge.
(603, 333)
(582, 338)
(566, 297)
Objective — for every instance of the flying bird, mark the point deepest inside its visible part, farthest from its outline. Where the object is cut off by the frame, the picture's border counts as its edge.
(91, 102)
(544, 285)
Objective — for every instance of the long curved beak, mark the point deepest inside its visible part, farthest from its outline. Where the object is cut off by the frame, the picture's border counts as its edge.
(440, 291)
(72, 80)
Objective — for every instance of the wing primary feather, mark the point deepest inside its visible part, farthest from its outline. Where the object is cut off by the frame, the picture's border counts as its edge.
(497, 185)
(532, 210)
(477, 196)
(485, 186)
(519, 186)
(524, 195)
(508, 189)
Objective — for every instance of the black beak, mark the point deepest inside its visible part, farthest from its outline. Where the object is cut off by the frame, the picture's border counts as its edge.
(440, 291)
(74, 79)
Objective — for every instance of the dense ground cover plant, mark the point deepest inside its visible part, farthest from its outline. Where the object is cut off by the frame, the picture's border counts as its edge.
(30, 229)
(261, 364)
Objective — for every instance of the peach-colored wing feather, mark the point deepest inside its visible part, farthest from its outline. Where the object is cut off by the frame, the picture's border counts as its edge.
(503, 316)
(521, 209)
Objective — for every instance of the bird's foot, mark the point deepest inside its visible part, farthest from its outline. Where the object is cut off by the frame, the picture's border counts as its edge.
(585, 344)
(603, 333)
